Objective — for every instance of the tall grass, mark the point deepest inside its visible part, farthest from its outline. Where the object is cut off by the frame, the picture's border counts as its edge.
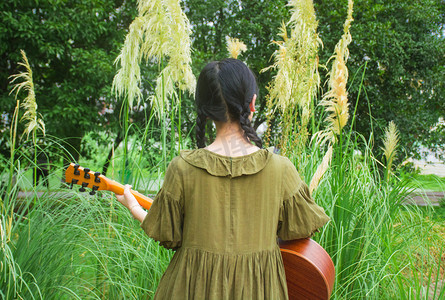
(70, 246)
(29, 103)
(381, 248)
(160, 34)
(370, 236)
(293, 90)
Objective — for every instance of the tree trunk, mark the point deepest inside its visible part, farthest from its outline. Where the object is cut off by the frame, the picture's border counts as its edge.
(117, 141)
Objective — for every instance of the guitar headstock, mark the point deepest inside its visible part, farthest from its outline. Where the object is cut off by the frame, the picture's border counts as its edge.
(84, 177)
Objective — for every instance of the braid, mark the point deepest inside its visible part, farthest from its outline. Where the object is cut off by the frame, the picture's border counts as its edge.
(249, 133)
(201, 121)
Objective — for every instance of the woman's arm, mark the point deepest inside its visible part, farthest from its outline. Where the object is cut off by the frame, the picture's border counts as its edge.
(130, 202)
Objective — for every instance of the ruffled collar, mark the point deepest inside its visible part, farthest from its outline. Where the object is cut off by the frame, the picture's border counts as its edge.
(220, 165)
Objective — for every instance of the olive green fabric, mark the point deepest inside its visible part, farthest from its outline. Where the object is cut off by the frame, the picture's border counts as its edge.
(223, 215)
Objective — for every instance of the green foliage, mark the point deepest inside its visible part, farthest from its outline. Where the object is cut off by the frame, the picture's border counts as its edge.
(71, 47)
(381, 249)
(428, 182)
(403, 44)
(437, 213)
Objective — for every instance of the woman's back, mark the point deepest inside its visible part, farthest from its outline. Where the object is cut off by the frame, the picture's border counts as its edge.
(224, 214)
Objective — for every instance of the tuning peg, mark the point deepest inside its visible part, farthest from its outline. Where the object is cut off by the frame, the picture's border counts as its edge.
(87, 175)
(96, 177)
(74, 181)
(95, 188)
(84, 185)
(76, 169)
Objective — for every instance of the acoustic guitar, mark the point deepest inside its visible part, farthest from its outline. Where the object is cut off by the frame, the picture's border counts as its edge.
(309, 270)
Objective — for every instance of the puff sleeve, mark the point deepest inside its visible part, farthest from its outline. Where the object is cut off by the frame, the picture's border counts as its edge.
(164, 219)
(299, 215)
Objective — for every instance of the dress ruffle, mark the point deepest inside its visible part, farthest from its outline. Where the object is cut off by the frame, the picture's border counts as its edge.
(199, 274)
(164, 220)
(300, 216)
(220, 165)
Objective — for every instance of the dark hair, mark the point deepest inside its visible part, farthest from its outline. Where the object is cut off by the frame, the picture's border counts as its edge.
(223, 93)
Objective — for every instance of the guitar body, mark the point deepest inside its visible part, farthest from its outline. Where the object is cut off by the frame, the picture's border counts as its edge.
(309, 270)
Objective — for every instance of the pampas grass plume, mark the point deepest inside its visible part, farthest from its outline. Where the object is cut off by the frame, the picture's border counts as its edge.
(30, 115)
(321, 170)
(160, 33)
(295, 85)
(336, 99)
(235, 47)
(390, 143)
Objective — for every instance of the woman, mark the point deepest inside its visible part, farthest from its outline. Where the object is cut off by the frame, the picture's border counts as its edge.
(221, 207)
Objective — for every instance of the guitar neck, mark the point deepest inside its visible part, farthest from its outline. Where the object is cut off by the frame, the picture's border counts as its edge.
(118, 189)
(76, 174)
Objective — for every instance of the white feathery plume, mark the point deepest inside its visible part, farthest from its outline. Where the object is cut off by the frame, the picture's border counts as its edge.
(390, 143)
(30, 115)
(235, 47)
(336, 99)
(321, 170)
(160, 33)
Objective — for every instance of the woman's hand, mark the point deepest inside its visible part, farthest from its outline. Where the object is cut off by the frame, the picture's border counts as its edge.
(127, 199)
(130, 202)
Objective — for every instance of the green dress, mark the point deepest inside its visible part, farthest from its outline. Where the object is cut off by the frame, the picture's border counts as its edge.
(222, 215)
